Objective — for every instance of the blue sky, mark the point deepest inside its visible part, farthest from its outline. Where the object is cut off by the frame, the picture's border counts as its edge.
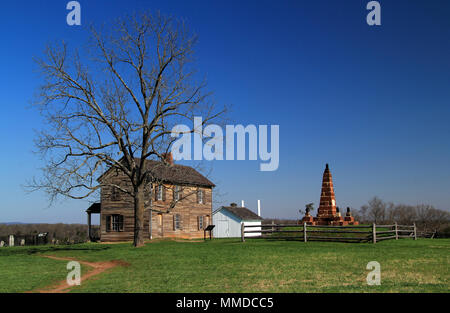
(373, 102)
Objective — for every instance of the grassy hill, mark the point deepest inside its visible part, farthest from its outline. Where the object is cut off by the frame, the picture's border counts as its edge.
(232, 266)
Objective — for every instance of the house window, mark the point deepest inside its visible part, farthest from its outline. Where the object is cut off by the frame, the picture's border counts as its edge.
(176, 193)
(200, 196)
(114, 223)
(177, 221)
(115, 196)
(200, 223)
(159, 193)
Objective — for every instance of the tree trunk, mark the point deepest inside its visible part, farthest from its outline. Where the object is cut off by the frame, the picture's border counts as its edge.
(139, 217)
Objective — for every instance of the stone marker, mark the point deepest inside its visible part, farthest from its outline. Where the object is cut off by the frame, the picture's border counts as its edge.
(22, 242)
(11, 240)
(2, 243)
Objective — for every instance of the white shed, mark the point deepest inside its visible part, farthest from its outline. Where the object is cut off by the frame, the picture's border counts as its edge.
(228, 220)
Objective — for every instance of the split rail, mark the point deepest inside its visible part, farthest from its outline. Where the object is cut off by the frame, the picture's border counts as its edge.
(351, 233)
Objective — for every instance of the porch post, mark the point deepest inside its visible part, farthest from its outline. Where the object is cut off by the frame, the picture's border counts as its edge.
(89, 225)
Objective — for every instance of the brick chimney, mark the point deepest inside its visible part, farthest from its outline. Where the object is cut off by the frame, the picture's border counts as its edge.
(168, 157)
(327, 207)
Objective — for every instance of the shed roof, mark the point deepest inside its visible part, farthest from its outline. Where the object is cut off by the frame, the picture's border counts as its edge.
(241, 212)
(94, 208)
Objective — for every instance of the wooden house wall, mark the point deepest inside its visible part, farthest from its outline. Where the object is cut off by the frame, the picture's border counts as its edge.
(162, 227)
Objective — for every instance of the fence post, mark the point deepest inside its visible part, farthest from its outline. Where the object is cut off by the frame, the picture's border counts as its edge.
(304, 232)
(242, 232)
(415, 232)
(273, 228)
(396, 231)
(374, 233)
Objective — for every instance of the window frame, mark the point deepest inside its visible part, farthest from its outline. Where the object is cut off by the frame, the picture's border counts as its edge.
(114, 223)
(159, 192)
(177, 193)
(177, 222)
(201, 222)
(200, 196)
(115, 194)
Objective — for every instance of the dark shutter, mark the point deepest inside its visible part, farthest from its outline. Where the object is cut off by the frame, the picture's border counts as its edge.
(120, 222)
(174, 222)
(198, 190)
(156, 192)
(108, 222)
(163, 193)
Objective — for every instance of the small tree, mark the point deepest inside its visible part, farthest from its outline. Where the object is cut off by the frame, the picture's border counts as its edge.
(114, 106)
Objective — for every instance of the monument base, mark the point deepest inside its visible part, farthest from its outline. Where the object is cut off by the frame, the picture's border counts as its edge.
(330, 220)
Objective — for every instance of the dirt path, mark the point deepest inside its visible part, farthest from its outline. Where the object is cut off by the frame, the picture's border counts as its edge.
(98, 268)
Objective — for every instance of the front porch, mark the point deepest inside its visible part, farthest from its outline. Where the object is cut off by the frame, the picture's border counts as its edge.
(95, 208)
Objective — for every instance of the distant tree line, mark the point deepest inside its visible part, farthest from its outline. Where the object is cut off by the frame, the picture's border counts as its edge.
(279, 221)
(62, 233)
(425, 216)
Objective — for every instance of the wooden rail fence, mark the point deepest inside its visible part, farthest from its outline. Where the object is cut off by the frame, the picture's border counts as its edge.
(362, 233)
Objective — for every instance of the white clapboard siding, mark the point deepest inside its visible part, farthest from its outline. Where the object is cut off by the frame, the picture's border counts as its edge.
(229, 226)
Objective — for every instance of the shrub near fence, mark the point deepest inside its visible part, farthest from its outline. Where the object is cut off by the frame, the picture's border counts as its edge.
(362, 233)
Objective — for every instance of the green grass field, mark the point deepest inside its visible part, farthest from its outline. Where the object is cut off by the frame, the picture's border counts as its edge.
(231, 266)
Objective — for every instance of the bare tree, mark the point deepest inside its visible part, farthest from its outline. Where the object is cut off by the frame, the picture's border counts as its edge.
(404, 214)
(114, 106)
(375, 210)
(430, 218)
(425, 216)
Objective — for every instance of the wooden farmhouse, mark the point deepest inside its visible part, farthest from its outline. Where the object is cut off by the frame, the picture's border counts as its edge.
(181, 204)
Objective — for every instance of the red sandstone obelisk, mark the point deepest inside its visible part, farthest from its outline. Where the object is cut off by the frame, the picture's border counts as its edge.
(327, 212)
(327, 207)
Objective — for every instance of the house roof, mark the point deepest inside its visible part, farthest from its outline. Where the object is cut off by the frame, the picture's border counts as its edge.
(175, 173)
(242, 213)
